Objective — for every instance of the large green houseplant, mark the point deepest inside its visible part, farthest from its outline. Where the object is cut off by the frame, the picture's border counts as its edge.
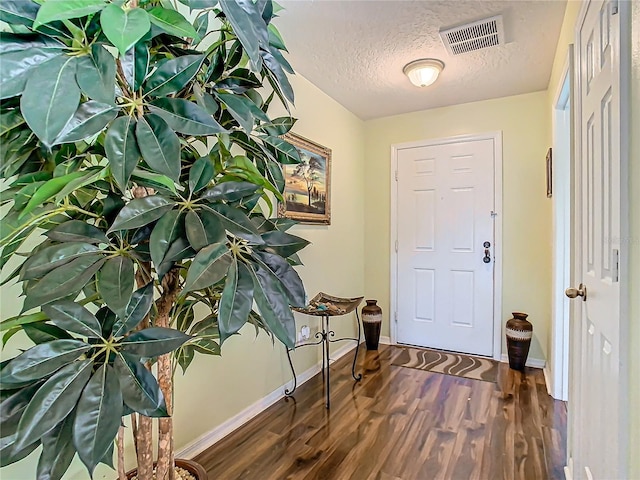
(139, 169)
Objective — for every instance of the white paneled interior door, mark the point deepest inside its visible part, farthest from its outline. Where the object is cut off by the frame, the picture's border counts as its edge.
(445, 205)
(597, 408)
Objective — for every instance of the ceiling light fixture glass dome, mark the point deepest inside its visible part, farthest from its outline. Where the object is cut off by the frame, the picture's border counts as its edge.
(424, 72)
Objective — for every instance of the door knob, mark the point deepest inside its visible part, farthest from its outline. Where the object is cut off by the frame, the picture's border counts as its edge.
(581, 291)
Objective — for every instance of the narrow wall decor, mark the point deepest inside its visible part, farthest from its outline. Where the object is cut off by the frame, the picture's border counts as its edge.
(307, 190)
(549, 173)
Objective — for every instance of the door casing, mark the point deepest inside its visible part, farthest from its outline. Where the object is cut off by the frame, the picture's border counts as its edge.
(497, 230)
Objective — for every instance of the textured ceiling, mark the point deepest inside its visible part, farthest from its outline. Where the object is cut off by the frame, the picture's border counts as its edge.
(354, 51)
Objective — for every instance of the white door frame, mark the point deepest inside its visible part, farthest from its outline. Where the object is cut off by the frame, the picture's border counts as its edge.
(497, 230)
(562, 257)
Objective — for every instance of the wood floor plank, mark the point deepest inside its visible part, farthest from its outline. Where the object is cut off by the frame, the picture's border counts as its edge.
(400, 424)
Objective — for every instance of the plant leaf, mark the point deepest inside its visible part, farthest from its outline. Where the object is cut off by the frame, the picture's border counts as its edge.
(9, 453)
(168, 228)
(20, 12)
(153, 180)
(115, 282)
(48, 191)
(140, 212)
(13, 406)
(200, 174)
(73, 317)
(90, 118)
(98, 417)
(287, 153)
(124, 29)
(136, 310)
(91, 175)
(230, 191)
(20, 55)
(203, 229)
(243, 110)
(154, 341)
(280, 269)
(273, 305)
(43, 332)
(135, 65)
(122, 150)
(40, 361)
(77, 231)
(21, 320)
(57, 451)
(51, 11)
(283, 244)
(159, 145)
(172, 22)
(185, 116)
(96, 75)
(278, 126)
(140, 390)
(236, 301)
(64, 281)
(201, 24)
(208, 267)
(235, 221)
(248, 25)
(173, 75)
(51, 97)
(270, 57)
(179, 250)
(206, 346)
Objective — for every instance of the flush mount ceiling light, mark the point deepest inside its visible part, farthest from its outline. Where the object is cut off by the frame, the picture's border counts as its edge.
(423, 73)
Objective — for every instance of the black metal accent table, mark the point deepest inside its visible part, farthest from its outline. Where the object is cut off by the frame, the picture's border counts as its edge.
(325, 336)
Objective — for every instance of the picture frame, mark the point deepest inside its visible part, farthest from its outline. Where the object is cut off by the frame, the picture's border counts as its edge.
(307, 190)
(549, 173)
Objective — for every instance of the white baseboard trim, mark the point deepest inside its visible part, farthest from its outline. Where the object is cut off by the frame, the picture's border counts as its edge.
(567, 473)
(213, 436)
(531, 362)
(547, 379)
(385, 340)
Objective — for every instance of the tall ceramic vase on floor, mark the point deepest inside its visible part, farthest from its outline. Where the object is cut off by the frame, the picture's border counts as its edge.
(519, 332)
(372, 321)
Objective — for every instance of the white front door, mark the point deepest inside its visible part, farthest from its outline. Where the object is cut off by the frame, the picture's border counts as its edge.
(445, 205)
(597, 408)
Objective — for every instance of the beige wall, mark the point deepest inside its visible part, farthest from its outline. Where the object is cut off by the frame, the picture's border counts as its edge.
(217, 388)
(526, 215)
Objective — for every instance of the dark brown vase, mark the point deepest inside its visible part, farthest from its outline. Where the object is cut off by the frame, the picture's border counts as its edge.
(190, 466)
(372, 321)
(519, 332)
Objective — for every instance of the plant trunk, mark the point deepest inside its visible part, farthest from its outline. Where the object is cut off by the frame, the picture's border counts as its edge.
(121, 473)
(143, 434)
(145, 448)
(165, 466)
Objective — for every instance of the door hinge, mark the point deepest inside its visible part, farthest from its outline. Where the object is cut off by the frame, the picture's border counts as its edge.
(494, 214)
(614, 7)
(396, 246)
(396, 174)
(395, 316)
(615, 258)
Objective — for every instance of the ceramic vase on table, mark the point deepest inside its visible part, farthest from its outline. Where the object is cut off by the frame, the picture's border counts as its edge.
(519, 333)
(372, 321)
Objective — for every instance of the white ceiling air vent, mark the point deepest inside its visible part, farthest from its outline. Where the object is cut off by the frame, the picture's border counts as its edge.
(473, 36)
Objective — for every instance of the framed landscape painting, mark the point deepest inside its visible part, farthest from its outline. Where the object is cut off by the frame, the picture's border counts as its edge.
(307, 190)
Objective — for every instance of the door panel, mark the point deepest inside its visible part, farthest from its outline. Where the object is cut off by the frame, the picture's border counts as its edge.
(444, 290)
(597, 442)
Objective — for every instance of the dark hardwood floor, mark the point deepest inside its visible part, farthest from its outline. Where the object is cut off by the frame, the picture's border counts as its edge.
(400, 424)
